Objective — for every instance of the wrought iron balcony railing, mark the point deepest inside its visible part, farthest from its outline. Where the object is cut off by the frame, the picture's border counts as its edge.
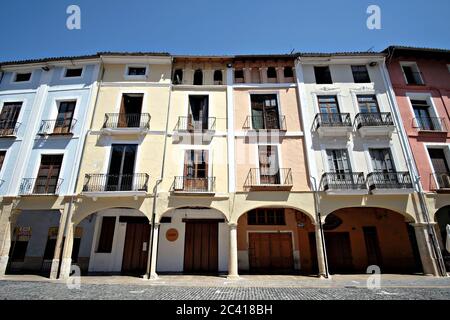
(440, 181)
(127, 120)
(257, 177)
(389, 180)
(194, 185)
(57, 127)
(373, 119)
(189, 124)
(116, 182)
(265, 123)
(332, 120)
(9, 128)
(40, 186)
(430, 124)
(343, 181)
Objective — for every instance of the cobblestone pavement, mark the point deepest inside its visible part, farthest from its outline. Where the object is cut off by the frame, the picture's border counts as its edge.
(216, 288)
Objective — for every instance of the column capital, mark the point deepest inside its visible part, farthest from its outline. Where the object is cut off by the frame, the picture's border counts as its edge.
(232, 224)
(422, 224)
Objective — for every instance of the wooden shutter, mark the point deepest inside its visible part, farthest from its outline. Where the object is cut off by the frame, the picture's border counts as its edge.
(438, 160)
(48, 175)
(106, 235)
(65, 116)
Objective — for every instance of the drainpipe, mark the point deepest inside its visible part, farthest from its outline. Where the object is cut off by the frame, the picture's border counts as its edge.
(159, 181)
(413, 170)
(72, 199)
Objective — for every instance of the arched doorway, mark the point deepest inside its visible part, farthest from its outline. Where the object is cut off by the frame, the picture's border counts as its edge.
(112, 241)
(193, 240)
(356, 238)
(276, 241)
(442, 218)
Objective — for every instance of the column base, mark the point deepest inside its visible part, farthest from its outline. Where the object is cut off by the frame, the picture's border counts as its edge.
(322, 277)
(65, 268)
(54, 269)
(233, 277)
(3, 265)
(152, 276)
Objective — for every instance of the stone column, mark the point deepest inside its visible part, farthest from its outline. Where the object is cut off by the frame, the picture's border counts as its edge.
(153, 275)
(263, 74)
(320, 254)
(233, 254)
(66, 262)
(59, 243)
(280, 74)
(247, 75)
(6, 234)
(427, 254)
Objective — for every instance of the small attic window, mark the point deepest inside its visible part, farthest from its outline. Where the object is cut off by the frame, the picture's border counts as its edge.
(73, 72)
(22, 77)
(288, 72)
(178, 76)
(218, 79)
(136, 71)
(239, 75)
(198, 77)
(271, 73)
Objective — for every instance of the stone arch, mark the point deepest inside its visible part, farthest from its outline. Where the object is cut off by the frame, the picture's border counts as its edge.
(237, 216)
(442, 219)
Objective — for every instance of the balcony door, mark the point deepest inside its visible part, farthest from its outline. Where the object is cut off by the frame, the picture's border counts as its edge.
(265, 111)
(440, 167)
(65, 117)
(269, 169)
(130, 111)
(196, 170)
(48, 174)
(422, 114)
(383, 165)
(339, 163)
(198, 113)
(121, 167)
(8, 117)
(329, 109)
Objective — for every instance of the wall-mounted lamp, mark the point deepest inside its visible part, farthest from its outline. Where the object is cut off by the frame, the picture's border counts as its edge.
(373, 64)
(46, 68)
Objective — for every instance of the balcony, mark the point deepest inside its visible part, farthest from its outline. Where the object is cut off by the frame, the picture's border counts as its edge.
(40, 186)
(390, 182)
(8, 129)
(430, 125)
(126, 123)
(187, 126)
(374, 124)
(440, 182)
(332, 124)
(190, 185)
(343, 183)
(264, 180)
(57, 127)
(116, 184)
(265, 123)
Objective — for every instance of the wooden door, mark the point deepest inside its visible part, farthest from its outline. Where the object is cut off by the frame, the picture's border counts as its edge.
(372, 246)
(196, 170)
(339, 252)
(64, 119)
(135, 251)
(271, 252)
(440, 167)
(130, 111)
(48, 175)
(8, 117)
(269, 171)
(201, 247)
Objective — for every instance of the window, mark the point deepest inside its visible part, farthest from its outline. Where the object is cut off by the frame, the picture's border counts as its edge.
(368, 104)
(105, 241)
(412, 74)
(2, 158)
(265, 111)
(218, 77)
(48, 174)
(239, 76)
(323, 75)
(73, 72)
(288, 72)
(198, 77)
(178, 76)
(130, 110)
(269, 170)
(440, 167)
(271, 73)
(266, 216)
(382, 160)
(121, 167)
(22, 77)
(360, 74)
(63, 123)
(198, 113)
(338, 161)
(195, 170)
(423, 116)
(136, 71)
(8, 117)
(329, 110)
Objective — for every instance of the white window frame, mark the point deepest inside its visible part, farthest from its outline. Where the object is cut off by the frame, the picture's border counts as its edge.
(429, 99)
(414, 65)
(14, 76)
(136, 77)
(434, 145)
(64, 71)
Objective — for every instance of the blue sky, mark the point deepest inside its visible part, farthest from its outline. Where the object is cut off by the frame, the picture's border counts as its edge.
(36, 29)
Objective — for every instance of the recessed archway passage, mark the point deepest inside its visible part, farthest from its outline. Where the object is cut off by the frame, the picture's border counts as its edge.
(356, 238)
(443, 220)
(276, 241)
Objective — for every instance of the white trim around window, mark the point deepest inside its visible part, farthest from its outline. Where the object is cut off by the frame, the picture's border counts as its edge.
(63, 75)
(14, 76)
(136, 77)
